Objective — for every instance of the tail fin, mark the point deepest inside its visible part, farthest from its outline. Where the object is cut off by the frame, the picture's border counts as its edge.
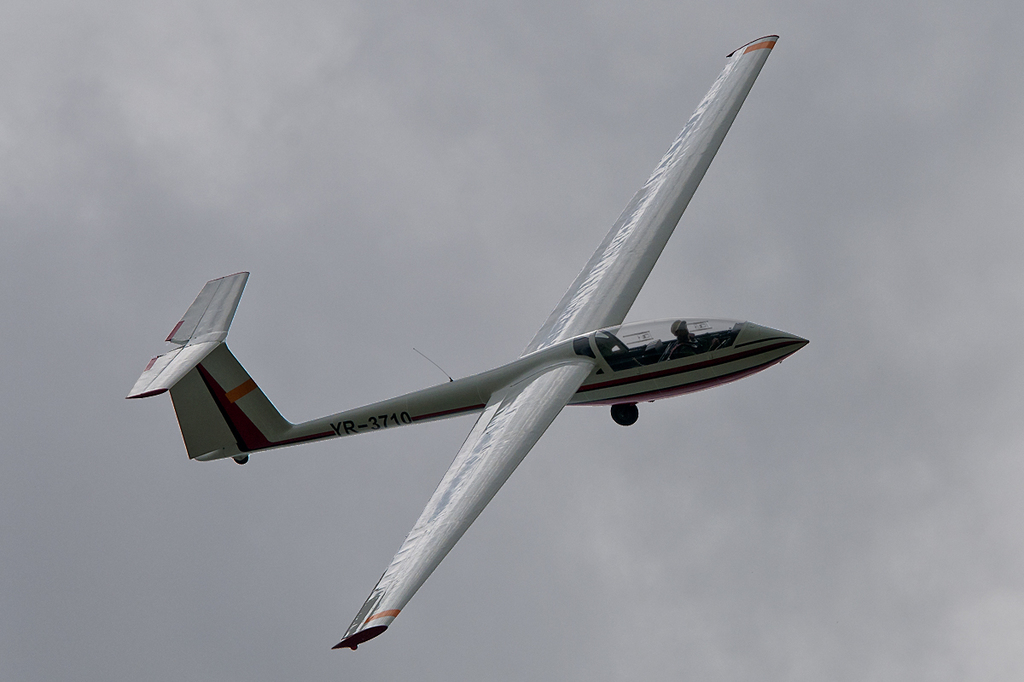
(220, 409)
(223, 413)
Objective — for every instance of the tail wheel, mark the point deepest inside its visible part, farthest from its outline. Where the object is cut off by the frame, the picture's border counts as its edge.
(242, 459)
(625, 414)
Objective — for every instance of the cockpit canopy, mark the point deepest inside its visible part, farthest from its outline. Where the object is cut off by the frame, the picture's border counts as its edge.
(646, 343)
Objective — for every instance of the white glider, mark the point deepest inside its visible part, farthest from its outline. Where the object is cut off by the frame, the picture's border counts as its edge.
(582, 355)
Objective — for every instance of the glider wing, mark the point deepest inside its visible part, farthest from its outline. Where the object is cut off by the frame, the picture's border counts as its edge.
(515, 417)
(606, 288)
(512, 422)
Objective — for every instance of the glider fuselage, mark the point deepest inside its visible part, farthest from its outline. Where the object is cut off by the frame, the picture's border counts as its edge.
(636, 362)
(645, 361)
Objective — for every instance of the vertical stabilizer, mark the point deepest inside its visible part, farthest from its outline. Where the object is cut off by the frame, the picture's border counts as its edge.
(220, 409)
(222, 412)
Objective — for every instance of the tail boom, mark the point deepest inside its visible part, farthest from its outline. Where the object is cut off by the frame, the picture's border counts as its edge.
(223, 413)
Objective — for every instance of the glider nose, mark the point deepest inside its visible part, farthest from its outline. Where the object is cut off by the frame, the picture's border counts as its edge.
(798, 343)
(757, 334)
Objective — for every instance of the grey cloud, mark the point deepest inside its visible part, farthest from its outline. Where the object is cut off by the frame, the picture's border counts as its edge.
(397, 175)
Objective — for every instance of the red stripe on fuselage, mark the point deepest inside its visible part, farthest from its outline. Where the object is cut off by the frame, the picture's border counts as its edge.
(448, 413)
(691, 387)
(686, 368)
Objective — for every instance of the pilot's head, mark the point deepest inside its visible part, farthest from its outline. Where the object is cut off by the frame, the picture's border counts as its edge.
(680, 331)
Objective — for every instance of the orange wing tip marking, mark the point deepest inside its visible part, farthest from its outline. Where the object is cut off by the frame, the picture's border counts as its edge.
(763, 45)
(239, 392)
(390, 613)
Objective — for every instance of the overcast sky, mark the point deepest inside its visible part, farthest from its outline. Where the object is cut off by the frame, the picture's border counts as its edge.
(399, 174)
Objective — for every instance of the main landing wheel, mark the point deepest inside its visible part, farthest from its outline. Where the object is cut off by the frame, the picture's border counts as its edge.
(625, 414)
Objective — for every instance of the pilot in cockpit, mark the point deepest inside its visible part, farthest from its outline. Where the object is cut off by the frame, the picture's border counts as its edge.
(685, 343)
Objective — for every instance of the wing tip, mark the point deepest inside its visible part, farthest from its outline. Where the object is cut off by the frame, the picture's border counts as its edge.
(174, 331)
(233, 274)
(762, 43)
(145, 394)
(358, 638)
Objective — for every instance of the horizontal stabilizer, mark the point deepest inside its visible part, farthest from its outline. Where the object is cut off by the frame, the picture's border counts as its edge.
(210, 315)
(203, 328)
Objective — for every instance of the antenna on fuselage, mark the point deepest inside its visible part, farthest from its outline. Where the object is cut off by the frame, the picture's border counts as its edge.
(436, 365)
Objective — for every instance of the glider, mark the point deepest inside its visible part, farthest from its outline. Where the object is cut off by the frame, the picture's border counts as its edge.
(582, 355)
